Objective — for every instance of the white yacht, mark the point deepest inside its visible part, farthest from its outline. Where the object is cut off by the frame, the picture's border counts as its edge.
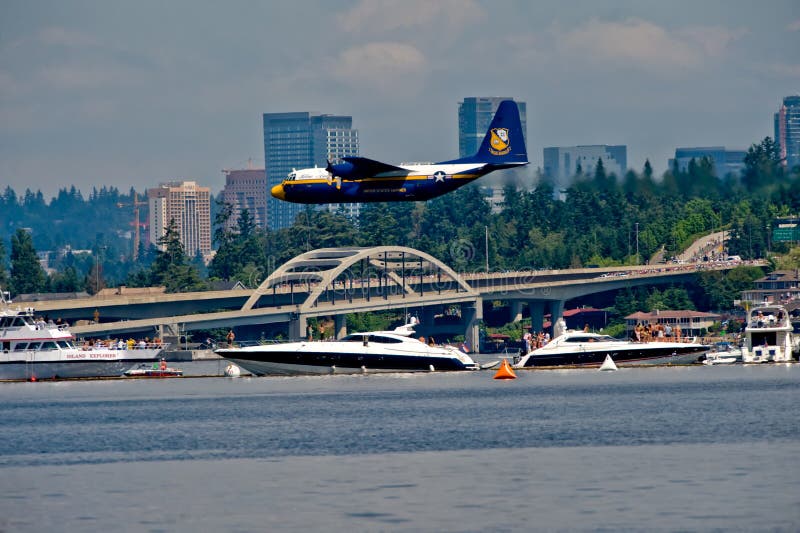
(373, 351)
(768, 335)
(580, 348)
(722, 353)
(33, 349)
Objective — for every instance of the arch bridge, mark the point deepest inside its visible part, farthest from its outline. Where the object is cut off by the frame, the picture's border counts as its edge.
(357, 279)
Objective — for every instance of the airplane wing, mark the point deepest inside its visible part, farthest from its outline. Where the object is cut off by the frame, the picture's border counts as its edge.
(369, 168)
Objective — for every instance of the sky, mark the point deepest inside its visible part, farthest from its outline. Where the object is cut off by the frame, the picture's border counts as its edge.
(131, 94)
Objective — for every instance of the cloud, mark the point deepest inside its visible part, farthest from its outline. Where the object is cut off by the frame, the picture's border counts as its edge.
(81, 77)
(380, 65)
(57, 36)
(643, 44)
(712, 40)
(383, 16)
(794, 25)
(784, 70)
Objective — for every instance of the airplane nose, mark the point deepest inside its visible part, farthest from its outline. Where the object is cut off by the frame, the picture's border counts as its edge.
(278, 192)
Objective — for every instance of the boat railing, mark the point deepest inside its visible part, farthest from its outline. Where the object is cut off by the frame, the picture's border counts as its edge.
(245, 344)
(768, 322)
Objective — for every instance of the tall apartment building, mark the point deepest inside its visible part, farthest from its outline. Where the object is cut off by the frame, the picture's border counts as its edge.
(246, 189)
(725, 161)
(190, 206)
(475, 113)
(787, 131)
(303, 140)
(561, 162)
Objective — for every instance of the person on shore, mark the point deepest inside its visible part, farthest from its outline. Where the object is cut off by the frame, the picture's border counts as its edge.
(230, 337)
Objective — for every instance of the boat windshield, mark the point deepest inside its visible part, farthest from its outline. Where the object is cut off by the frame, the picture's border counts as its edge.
(592, 338)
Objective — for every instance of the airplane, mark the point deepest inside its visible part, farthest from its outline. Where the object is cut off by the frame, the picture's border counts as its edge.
(359, 179)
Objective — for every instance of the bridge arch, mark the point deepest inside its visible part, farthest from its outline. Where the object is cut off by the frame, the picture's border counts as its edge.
(324, 266)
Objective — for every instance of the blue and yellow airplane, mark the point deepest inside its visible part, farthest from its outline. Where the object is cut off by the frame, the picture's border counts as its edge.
(359, 179)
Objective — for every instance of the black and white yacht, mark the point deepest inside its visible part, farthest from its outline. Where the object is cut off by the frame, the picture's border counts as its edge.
(580, 348)
(373, 351)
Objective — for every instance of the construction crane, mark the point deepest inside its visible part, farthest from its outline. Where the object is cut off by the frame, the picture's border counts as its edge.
(136, 224)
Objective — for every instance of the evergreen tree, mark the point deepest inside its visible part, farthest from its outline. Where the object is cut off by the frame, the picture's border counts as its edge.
(27, 275)
(4, 281)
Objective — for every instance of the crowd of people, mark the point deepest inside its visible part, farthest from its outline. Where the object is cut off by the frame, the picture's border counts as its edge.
(650, 332)
(121, 344)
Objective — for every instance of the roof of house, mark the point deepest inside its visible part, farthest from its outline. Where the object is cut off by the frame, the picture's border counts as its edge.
(671, 314)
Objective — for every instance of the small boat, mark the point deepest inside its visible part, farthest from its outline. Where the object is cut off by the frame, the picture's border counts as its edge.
(581, 348)
(372, 351)
(768, 335)
(723, 353)
(34, 349)
(155, 370)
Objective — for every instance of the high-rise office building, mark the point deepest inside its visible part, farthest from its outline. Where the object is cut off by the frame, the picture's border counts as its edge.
(246, 189)
(302, 140)
(190, 206)
(725, 161)
(475, 113)
(561, 162)
(787, 131)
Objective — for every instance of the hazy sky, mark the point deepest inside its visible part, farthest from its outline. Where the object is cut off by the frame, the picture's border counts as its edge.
(128, 94)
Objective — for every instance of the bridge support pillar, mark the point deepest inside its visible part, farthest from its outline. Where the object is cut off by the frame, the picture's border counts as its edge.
(340, 326)
(473, 316)
(536, 308)
(516, 310)
(297, 327)
(556, 312)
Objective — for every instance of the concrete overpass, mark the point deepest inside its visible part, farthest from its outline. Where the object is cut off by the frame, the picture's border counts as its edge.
(338, 281)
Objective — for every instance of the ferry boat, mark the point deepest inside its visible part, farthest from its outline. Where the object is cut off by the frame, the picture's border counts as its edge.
(33, 349)
(581, 348)
(768, 335)
(373, 351)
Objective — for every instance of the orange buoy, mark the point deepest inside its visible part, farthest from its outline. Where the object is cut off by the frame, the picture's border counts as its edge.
(505, 371)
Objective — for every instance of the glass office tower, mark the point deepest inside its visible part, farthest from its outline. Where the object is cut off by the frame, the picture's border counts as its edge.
(787, 130)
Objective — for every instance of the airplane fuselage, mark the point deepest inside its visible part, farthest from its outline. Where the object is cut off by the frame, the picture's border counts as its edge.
(359, 179)
(415, 183)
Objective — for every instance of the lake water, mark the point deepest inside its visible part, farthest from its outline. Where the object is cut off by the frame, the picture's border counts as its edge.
(653, 449)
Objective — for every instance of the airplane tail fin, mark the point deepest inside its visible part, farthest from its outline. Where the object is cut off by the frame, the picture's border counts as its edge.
(504, 143)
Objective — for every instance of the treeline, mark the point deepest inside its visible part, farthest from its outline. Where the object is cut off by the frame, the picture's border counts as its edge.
(600, 220)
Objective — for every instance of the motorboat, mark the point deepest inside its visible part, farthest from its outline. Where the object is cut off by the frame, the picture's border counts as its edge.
(156, 370)
(581, 348)
(768, 335)
(35, 349)
(373, 351)
(722, 353)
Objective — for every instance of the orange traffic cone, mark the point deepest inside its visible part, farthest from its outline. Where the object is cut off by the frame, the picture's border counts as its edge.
(505, 371)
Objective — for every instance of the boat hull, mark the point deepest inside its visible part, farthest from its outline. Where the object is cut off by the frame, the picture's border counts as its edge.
(68, 370)
(645, 354)
(104, 364)
(293, 362)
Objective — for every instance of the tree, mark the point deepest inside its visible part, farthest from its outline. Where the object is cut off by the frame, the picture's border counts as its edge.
(171, 267)
(762, 165)
(66, 281)
(4, 281)
(27, 275)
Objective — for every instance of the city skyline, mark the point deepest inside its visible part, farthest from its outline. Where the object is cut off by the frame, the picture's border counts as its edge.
(89, 98)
